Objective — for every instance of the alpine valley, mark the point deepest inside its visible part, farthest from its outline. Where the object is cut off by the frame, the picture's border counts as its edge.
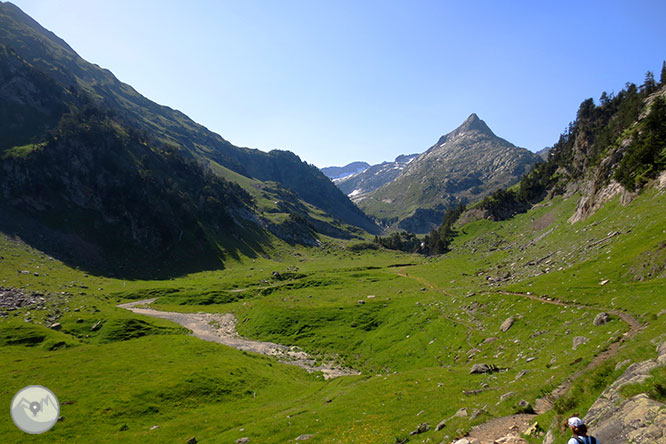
(169, 286)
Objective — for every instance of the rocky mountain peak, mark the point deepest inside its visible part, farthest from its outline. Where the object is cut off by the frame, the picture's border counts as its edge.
(472, 124)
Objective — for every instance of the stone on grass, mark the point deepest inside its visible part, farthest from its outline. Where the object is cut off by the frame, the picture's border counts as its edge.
(506, 325)
(422, 428)
(579, 340)
(242, 440)
(480, 368)
(441, 425)
(303, 437)
(601, 319)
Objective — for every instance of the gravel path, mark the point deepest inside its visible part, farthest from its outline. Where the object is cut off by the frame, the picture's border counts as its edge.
(221, 328)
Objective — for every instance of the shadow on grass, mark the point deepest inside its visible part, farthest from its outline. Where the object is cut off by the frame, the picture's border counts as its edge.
(100, 250)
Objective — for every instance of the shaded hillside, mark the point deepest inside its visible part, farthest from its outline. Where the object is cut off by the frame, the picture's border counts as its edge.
(53, 57)
(104, 196)
(464, 165)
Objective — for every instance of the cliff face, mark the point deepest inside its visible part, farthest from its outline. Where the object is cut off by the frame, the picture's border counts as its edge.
(615, 419)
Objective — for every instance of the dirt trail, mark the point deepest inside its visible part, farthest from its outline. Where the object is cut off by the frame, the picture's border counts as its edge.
(512, 426)
(221, 328)
(542, 405)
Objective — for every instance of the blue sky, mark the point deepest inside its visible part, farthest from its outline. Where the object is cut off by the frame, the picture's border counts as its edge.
(339, 81)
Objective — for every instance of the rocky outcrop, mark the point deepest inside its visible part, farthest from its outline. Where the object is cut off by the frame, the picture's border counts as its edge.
(639, 419)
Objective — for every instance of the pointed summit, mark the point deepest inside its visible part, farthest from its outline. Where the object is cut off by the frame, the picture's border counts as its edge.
(471, 124)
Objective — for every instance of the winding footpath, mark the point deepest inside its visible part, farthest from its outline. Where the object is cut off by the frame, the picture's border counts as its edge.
(221, 328)
(544, 404)
(511, 426)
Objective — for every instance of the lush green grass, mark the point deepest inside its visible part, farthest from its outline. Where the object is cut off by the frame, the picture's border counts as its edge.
(414, 326)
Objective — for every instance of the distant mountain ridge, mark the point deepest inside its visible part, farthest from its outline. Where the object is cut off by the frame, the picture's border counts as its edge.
(464, 165)
(357, 185)
(335, 172)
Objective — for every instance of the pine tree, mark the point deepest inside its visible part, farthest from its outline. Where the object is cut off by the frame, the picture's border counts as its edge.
(662, 81)
(649, 86)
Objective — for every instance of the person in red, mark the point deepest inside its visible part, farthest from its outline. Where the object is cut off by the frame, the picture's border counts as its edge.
(579, 430)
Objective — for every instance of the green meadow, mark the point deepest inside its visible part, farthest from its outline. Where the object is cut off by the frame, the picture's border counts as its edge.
(412, 325)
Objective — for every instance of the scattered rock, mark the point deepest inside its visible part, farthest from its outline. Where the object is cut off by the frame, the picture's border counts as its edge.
(549, 439)
(481, 368)
(579, 340)
(533, 430)
(604, 282)
(506, 396)
(303, 437)
(55, 326)
(524, 407)
(360, 302)
(506, 325)
(192, 440)
(467, 441)
(520, 375)
(601, 318)
(155, 427)
(422, 428)
(242, 440)
(461, 413)
(489, 340)
(478, 412)
(441, 425)
(622, 364)
(96, 326)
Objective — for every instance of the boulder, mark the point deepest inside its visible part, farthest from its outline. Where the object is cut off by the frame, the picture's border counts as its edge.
(579, 340)
(612, 419)
(506, 325)
(242, 440)
(422, 428)
(601, 319)
(441, 425)
(480, 368)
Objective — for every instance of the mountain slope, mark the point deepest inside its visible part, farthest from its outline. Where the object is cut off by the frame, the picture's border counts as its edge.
(358, 185)
(53, 57)
(464, 165)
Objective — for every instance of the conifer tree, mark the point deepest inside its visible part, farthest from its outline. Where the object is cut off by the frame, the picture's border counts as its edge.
(662, 80)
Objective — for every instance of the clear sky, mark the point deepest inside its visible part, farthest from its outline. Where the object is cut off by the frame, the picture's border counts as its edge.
(338, 81)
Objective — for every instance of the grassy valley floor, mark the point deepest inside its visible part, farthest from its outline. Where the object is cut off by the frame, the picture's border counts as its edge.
(412, 326)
